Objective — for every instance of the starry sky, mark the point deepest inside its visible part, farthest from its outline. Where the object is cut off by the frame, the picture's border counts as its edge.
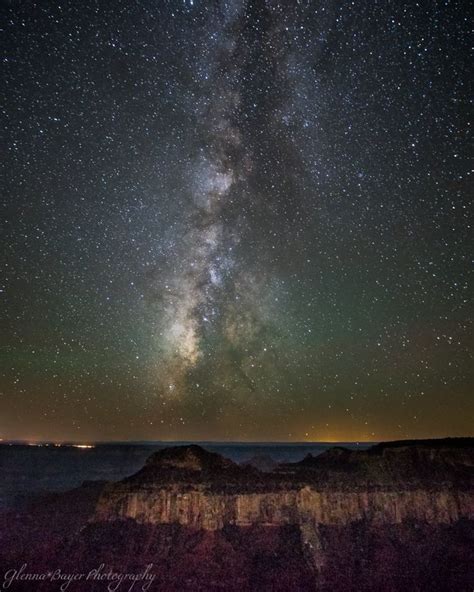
(235, 220)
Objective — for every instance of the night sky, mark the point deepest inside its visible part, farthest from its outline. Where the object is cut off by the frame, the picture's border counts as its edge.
(235, 220)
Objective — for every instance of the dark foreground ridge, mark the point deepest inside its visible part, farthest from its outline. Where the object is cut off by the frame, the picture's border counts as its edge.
(393, 517)
(393, 465)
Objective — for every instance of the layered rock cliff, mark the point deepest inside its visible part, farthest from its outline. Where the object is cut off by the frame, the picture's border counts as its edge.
(201, 509)
(198, 489)
(392, 518)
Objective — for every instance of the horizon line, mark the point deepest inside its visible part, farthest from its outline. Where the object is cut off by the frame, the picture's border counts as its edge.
(23, 441)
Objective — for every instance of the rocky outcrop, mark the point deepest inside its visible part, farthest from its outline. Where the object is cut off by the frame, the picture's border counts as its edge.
(188, 458)
(381, 488)
(391, 518)
(198, 489)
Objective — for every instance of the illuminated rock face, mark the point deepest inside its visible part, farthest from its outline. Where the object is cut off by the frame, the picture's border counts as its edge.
(200, 509)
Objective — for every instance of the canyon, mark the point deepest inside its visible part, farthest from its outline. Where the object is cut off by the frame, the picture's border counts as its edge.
(392, 517)
(274, 499)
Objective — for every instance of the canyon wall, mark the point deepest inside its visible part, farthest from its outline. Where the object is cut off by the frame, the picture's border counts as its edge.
(198, 508)
(395, 517)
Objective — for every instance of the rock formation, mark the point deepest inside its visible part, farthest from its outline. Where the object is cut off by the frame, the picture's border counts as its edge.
(396, 516)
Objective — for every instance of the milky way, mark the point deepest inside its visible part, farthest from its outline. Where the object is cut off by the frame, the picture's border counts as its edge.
(190, 297)
(242, 219)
